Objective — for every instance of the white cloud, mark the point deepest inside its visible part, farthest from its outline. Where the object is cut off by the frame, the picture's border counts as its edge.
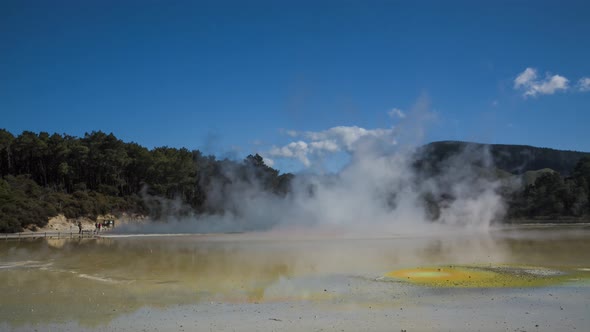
(346, 136)
(548, 87)
(292, 133)
(269, 162)
(525, 78)
(333, 140)
(327, 145)
(396, 112)
(529, 82)
(584, 84)
(296, 150)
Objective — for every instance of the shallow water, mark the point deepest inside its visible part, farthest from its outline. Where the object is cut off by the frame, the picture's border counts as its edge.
(107, 282)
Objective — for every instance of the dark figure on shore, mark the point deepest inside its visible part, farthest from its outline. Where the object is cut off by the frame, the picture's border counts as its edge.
(79, 227)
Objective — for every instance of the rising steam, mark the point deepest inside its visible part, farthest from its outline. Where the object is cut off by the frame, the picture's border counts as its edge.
(384, 188)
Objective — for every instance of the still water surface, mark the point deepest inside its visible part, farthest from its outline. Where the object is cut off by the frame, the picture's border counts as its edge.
(93, 281)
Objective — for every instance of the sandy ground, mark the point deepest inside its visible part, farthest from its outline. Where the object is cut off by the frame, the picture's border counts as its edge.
(383, 306)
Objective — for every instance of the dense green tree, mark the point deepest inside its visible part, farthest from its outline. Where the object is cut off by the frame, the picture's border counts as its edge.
(23, 202)
(552, 195)
(6, 141)
(581, 179)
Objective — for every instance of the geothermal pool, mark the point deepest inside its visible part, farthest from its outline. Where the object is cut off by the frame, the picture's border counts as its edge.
(511, 278)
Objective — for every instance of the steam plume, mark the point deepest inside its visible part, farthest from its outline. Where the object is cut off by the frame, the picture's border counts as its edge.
(384, 187)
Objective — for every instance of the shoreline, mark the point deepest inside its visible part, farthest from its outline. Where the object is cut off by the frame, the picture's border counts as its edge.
(61, 224)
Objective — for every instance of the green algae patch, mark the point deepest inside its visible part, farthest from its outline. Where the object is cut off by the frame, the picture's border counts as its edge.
(484, 276)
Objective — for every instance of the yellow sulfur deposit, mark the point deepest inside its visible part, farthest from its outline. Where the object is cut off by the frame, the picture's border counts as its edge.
(479, 277)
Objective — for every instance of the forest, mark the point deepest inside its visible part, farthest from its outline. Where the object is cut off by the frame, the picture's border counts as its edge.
(43, 175)
(553, 185)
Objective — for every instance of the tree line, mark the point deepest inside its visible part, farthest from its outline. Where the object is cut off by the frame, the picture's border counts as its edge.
(538, 184)
(553, 196)
(42, 175)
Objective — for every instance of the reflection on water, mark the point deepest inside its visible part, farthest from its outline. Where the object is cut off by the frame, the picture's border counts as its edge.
(92, 281)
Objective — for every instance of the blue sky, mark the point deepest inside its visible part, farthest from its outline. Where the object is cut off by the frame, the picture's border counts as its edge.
(234, 77)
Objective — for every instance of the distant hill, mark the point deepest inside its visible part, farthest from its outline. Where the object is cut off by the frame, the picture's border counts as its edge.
(516, 159)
